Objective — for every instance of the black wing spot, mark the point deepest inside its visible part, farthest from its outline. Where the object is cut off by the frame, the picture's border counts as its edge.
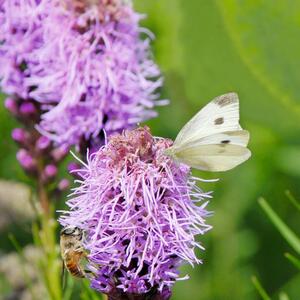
(225, 142)
(226, 99)
(219, 121)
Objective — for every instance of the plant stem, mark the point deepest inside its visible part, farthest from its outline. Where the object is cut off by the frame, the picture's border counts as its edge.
(43, 196)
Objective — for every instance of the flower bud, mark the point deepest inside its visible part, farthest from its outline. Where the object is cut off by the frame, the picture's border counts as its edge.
(26, 160)
(59, 153)
(11, 105)
(63, 184)
(74, 169)
(42, 143)
(50, 171)
(27, 108)
(19, 135)
(72, 166)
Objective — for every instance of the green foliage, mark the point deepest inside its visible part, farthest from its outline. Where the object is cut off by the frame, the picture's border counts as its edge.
(295, 261)
(285, 231)
(290, 237)
(260, 289)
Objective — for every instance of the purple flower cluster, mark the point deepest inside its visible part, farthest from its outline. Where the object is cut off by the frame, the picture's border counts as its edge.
(37, 155)
(83, 61)
(20, 33)
(138, 210)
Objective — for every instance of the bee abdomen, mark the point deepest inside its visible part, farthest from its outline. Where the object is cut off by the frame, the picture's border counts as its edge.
(75, 270)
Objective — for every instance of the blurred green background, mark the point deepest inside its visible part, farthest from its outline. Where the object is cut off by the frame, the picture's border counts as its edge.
(207, 48)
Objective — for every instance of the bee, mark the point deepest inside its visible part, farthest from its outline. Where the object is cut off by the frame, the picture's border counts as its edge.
(72, 251)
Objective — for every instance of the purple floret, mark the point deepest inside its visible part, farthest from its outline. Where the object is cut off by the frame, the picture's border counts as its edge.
(138, 209)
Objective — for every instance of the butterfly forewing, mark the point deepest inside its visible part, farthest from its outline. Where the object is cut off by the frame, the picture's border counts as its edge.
(238, 137)
(220, 115)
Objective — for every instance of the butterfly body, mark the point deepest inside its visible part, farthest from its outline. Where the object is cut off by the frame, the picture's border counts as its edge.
(213, 139)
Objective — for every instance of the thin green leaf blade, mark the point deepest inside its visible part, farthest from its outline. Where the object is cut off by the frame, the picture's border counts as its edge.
(285, 231)
(293, 199)
(295, 261)
(260, 289)
(283, 296)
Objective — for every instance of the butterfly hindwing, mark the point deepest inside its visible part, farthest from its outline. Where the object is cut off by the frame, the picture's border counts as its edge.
(213, 157)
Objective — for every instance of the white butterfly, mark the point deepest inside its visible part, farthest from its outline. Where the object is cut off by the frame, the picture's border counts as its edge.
(213, 139)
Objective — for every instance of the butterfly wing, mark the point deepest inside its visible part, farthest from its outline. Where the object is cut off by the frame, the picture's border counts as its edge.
(238, 137)
(217, 152)
(213, 140)
(220, 115)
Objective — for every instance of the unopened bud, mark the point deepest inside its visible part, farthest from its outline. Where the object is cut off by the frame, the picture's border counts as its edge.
(11, 105)
(74, 169)
(26, 160)
(27, 108)
(72, 166)
(59, 153)
(43, 143)
(63, 184)
(19, 135)
(50, 171)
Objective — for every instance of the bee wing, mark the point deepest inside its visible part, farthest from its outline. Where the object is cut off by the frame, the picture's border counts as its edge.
(220, 115)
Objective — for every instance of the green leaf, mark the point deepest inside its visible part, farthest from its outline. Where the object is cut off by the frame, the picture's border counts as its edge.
(287, 159)
(89, 294)
(285, 231)
(260, 289)
(295, 261)
(69, 288)
(265, 32)
(293, 199)
(283, 296)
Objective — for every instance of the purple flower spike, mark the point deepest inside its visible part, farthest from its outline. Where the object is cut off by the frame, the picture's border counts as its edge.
(138, 209)
(84, 61)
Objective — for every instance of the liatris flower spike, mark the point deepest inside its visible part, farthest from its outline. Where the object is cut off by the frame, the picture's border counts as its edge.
(138, 210)
(84, 61)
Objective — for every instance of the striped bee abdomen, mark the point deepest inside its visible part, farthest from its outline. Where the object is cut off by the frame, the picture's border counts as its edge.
(72, 263)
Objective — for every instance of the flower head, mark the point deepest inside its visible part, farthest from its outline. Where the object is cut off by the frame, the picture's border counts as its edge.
(138, 209)
(20, 33)
(83, 60)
